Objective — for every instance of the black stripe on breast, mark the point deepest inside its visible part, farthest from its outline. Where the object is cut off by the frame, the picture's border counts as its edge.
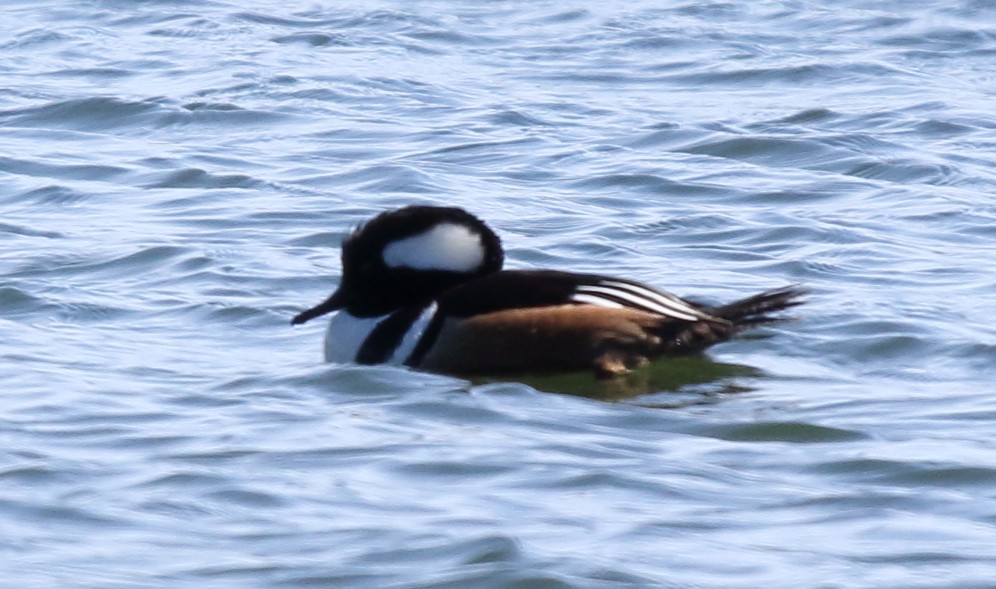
(385, 338)
(427, 340)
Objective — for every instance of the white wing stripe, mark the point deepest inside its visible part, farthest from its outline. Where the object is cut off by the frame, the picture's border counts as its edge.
(595, 300)
(663, 298)
(644, 302)
(649, 293)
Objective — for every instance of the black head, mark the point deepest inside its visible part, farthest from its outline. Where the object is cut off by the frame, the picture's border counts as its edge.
(409, 256)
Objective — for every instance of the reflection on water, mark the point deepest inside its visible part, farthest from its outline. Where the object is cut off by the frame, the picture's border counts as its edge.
(698, 378)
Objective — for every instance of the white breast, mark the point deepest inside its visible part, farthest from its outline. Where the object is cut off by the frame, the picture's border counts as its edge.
(346, 334)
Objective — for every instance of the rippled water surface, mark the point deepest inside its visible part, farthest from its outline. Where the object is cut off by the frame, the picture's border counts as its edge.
(176, 176)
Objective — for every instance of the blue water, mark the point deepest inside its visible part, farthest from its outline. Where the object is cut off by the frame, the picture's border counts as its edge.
(176, 176)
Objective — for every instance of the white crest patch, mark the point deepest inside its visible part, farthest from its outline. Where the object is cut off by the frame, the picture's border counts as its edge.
(444, 247)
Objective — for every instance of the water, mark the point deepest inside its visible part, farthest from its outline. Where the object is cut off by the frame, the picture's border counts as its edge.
(175, 178)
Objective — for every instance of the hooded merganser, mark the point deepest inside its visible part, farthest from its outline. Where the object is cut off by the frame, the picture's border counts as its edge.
(423, 286)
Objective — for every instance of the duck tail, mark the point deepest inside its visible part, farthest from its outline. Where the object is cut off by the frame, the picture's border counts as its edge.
(762, 308)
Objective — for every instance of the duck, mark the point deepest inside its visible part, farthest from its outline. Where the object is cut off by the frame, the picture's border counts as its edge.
(424, 287)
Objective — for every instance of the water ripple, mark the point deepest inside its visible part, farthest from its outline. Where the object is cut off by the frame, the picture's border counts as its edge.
(176, 184)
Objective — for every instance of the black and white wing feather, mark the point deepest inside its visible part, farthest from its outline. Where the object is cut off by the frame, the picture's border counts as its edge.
(617, 293)
(519, 289)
